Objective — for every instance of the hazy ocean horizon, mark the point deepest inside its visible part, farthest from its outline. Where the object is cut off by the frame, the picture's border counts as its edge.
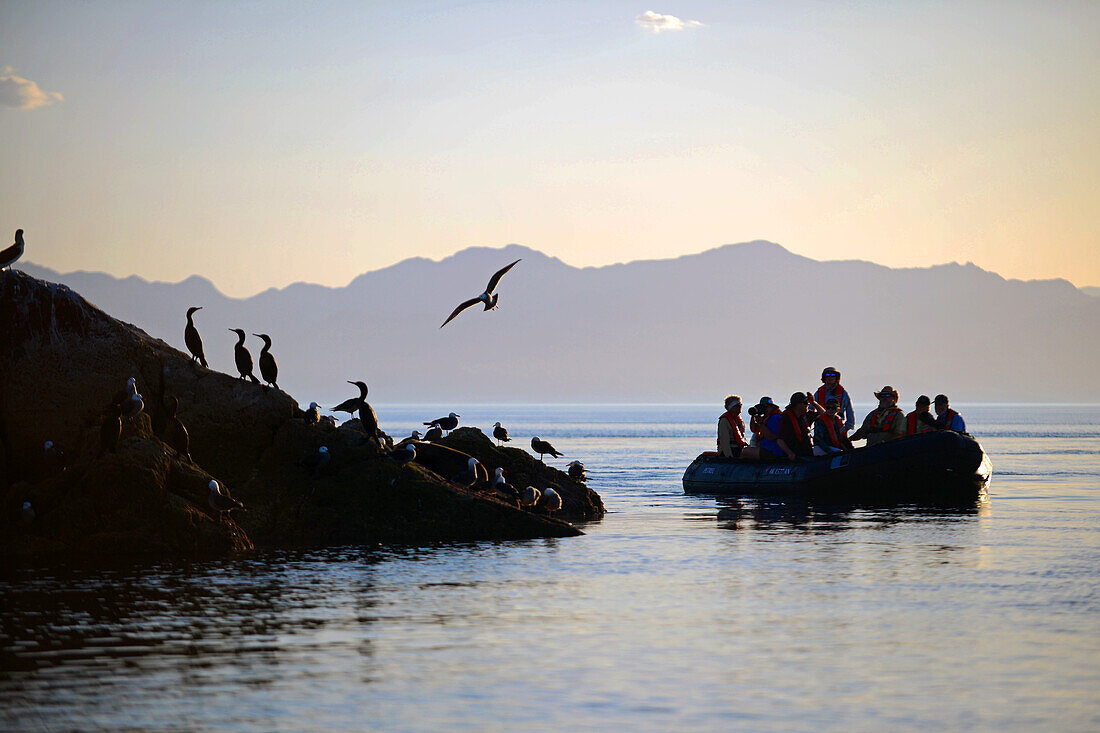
(672, 612)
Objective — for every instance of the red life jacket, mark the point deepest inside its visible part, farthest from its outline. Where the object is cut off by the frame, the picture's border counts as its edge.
(821, 395)
(947, 419)
(887, 419)
(912, 426)
(833, 427)
(738, 426)
(799, 426)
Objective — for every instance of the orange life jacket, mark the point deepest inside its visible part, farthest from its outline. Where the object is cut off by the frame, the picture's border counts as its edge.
(887, 420)
(947, 419)
(821, 395)
(833, 427)
(914, 426)
(738, 426)
(799, 426)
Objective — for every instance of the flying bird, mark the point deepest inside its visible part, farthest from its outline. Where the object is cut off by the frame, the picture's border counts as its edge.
(269, 370)
(14, 252)
(242, 357)
(488, 297)
(542, 447)
(500, 433)
(191, 337)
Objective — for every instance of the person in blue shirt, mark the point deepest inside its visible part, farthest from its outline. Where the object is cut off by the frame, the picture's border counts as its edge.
(946, 418)
(769, 449)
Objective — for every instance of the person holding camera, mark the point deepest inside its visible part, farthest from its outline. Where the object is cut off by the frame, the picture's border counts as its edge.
(767, 420)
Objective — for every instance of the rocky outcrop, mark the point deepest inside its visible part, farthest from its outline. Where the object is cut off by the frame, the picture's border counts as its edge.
(61, 362)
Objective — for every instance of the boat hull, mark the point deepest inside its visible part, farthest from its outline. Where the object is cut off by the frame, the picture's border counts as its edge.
(940, 466)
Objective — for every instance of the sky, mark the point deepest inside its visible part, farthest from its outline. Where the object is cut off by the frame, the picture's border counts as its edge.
(264, 143)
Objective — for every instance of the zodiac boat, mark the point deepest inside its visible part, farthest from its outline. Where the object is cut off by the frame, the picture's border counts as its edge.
(942, 466)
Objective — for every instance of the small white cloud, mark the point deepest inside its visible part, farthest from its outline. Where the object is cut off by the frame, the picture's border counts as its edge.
(23, 93)
(657, 22)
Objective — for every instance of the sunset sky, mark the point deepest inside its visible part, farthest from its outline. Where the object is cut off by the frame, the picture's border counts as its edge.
(262, 143)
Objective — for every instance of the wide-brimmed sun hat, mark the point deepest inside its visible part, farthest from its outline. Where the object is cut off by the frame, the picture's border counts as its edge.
(887, 391)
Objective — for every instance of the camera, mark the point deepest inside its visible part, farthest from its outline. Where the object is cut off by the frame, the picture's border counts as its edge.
(752, 410)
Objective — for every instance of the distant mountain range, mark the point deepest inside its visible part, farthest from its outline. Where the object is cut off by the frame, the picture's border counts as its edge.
(749, 318)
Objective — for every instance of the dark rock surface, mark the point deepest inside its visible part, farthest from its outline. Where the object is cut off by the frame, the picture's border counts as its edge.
(61, 362)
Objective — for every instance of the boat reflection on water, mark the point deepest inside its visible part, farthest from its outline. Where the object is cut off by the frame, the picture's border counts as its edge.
(800, 513)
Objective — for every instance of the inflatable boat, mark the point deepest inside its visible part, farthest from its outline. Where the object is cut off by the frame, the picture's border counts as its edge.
(941, 466)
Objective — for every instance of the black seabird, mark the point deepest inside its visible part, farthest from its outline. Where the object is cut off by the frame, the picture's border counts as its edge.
(269, 370)
(220, 500)
(500, 433)
(191, 337)
(488, 298)
(111, 429)
(242, 357)
(551, 500)
(448, 423)
(576, 471)
(468, 476)
(351, 404)
(433, 433)
(404, 454)
(12, 253)
(175, 432)
(367, 417)
(542, 447)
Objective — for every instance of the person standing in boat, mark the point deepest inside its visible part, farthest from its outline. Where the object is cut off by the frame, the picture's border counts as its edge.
(768, 418)
(920, 420)
(830, 387)
(793, 434)
(731, 429)
(885, 422)
(946, 418)
(830, 434)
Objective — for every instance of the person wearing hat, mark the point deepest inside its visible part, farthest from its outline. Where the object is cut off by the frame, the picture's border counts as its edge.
(830, 387)
(830, 433)
(768, 420)
(794, 434)
(946, 418)
(920, 420)
(731, 429)
(885, 422)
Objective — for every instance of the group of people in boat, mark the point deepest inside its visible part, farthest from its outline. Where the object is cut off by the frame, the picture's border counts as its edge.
(818, 423)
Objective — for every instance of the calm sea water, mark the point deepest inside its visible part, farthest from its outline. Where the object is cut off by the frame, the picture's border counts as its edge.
(672, 613)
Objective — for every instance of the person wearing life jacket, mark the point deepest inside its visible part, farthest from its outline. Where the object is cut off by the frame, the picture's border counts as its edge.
(731, 429)
(830, 435)
(946, 418)
(920, 420)
(768, 413)
(830, 387)
(885, 422)
(794, 434)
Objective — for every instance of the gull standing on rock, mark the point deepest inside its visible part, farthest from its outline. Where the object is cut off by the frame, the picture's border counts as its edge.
(551, 500)
(468, 476)
(576, 471)
(433, 434)
(448, 423)
(242, 357)
(220, 500)
(191, 337)
(542, 447)
(488, 297)
(269, 370)
(529, 496)
(123, 395)
(500, 433)
(313, 414)
(12, 253)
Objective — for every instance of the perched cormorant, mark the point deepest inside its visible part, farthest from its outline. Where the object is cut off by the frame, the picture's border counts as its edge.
(220, 500)
(269, 370)
(191, 337)
(313, 414)
(316, 460)
(242, 357)
(576, 471)
(500, 433)
(175, 432)
(12, 253)
(351, 404)
(529, 496)
(433, 434)
(111, 429)
(27, 512)
(448, 423)
(468, 476)
(359, 404)
(551, 500)
(542, 447)
(404, 454)
(488, 298)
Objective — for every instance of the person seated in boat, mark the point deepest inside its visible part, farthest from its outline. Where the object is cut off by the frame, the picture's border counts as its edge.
(830, 433)
(731, 429)
(946, 418)
(920, 420)
(768, 416)
(830, 378)
(885, 422)
(793, 434)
